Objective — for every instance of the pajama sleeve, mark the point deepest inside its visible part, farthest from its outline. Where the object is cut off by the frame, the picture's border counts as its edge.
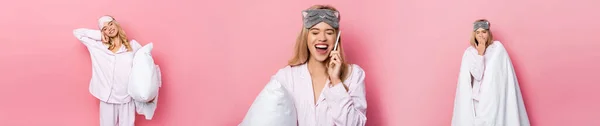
(477, 66)
(348, 108)
(88, 37)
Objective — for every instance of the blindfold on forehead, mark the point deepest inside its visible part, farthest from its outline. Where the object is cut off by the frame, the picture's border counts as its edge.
(481, 24)
(314, 16)
(104, 19)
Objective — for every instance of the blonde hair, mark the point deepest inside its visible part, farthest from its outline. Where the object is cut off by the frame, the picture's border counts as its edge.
(121, 34)
(302, 54)
(490, 38)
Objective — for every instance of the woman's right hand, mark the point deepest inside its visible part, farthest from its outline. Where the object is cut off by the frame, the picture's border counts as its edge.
(481, 48)
(104, 38)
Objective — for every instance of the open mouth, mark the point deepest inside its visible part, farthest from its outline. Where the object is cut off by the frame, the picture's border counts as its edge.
(322, 48)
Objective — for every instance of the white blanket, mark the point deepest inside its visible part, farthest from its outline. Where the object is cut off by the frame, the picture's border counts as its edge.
(501, 103)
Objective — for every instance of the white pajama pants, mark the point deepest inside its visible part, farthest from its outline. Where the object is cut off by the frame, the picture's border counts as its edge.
(117, 114)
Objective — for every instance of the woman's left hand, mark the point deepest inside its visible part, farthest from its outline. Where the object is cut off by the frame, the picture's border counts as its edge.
(334, 68)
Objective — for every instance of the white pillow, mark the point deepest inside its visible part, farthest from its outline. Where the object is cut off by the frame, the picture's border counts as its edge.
(144, 79)
(272, 107)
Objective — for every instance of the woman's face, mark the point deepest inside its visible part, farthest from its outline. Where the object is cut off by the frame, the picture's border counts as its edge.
(110, 29)
(321, 38)
(481, 35)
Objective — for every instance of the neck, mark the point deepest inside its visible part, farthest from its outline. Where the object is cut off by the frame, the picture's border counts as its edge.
(316, 68)
(116, 41)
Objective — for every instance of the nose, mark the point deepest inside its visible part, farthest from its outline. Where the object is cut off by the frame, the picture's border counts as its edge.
(322, 37)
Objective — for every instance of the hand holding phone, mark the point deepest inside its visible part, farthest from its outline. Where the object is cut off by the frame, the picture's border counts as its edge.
(335, 63)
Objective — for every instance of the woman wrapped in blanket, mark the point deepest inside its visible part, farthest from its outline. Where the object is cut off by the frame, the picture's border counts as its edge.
(488, 92)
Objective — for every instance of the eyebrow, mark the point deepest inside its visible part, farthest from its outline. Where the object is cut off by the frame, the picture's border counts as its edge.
(319, 29)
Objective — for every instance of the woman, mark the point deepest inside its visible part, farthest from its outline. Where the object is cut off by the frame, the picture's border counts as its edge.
(488, 92)
(326, 89)
(112, 56)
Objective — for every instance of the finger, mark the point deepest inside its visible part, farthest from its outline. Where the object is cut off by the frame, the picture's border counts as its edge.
(331, 61)
(334, 52)
(331, 65)
(335, 60)
(338, 62)
(337, 57)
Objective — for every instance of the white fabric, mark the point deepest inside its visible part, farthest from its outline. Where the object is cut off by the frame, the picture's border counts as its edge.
(500, 100)
(274, 106)
(146, 108)
(103, 20)
(144, 81)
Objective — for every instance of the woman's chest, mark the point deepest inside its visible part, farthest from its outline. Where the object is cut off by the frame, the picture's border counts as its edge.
(311, 104)
(117, 64)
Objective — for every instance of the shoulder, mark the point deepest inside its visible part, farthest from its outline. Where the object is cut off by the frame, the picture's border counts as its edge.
(284, 70)
(357, 70)
(497, 46)
(284, 77)
(470, 49)
(284, 73)
(357, 74)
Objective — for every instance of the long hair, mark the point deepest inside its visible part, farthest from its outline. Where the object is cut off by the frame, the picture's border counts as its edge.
(121, 35)
(490, 38)
(302, 54)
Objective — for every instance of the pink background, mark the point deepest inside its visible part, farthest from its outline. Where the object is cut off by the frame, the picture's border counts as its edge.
(216, 56)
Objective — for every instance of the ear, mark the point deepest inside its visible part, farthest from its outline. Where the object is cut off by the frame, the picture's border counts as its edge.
(304, 13)
(337, 14)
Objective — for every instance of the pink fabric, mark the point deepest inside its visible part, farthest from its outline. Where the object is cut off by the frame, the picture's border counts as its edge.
(335, 106)
(110, 71)
(117, 114)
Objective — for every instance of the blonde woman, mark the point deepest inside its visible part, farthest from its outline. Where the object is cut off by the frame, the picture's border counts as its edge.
(112, 56)
(325, 88)
(488, 92)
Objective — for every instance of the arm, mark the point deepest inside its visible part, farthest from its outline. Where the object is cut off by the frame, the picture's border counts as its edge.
(88, 37)
(492, 101)
(478, 66)
(348, 108)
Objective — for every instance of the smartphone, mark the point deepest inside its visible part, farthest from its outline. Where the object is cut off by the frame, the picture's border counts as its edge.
(337, 41)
